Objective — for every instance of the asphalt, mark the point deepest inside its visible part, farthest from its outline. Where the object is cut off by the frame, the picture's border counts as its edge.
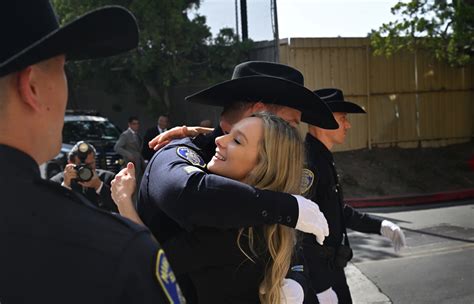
(364, 290)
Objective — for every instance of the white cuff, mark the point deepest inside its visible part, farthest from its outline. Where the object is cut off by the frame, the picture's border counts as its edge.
(100, 188)
(64, 185)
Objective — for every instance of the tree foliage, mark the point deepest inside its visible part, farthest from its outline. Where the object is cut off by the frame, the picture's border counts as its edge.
(173, 49)
(444, 28)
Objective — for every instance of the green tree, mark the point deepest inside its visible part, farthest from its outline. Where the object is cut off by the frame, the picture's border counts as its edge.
(173, 49)
(444, 28)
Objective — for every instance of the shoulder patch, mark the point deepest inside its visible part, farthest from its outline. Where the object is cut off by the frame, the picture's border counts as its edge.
(166, 277)
(190, 155)
(307, 179)
(297, 268)
(191, 169)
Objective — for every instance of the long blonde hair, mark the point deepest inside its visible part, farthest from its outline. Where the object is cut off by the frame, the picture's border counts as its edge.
(279, 167)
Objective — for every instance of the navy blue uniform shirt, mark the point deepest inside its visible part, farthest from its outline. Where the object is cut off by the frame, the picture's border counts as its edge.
(56, 247)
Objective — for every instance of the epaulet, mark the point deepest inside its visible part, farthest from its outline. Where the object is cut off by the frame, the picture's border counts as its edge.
(82, 200)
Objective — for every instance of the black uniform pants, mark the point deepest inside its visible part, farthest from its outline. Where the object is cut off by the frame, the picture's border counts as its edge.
(340, 287)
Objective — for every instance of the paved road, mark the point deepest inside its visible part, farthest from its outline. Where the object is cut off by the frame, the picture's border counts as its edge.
(437, 266)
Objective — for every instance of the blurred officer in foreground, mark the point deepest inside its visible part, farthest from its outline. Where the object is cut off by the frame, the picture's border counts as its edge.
(81, 175)
(327, 262)
(176, 196)
(56, 247)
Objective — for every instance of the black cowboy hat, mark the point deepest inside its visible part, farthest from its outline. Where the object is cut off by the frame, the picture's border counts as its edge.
(334, 98)
(270, 83)
(30, 33)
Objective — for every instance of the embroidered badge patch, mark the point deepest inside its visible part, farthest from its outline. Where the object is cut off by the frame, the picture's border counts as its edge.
(166, 277)
(307, 179)
(191, 156)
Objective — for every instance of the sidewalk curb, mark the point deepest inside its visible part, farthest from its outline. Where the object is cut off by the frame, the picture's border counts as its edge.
(363, 290)
(412, 199)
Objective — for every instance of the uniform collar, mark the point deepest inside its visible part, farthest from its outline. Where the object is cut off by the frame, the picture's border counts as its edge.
(316, 146)
(16, 163)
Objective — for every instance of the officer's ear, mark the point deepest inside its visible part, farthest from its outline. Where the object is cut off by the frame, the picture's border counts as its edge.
(27, 88)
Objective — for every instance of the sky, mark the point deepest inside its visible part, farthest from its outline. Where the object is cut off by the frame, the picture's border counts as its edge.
(301, 18)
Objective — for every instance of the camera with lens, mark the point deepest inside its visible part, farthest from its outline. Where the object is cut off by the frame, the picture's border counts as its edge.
(342, 256)
(84, 172)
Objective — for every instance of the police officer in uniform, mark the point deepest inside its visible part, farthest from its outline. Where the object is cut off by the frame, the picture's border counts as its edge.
(326, 263)
(176, 194)
(56, 247)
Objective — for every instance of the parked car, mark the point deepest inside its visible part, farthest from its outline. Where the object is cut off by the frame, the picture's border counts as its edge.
(93, 128)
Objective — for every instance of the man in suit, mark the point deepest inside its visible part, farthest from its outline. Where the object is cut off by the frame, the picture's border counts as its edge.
(163, 123)
(129, 146)
(97, 188)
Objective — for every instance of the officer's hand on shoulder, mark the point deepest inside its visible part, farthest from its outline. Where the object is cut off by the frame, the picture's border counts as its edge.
(291, 292)
(327, 297)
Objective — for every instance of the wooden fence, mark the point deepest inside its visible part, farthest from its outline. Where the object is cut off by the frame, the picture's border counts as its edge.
(411, 99)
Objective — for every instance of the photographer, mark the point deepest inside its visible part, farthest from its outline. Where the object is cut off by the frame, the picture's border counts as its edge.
(81, 175)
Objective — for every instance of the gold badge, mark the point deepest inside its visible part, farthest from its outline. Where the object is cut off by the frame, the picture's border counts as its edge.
(307, 179)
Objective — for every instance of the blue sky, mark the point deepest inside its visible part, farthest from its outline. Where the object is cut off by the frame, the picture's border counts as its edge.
(302, 18)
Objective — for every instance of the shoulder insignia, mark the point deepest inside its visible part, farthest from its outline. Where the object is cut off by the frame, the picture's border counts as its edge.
(166, 277)
(190, 155)
(297, 268)
(191, 169)
(307, 179)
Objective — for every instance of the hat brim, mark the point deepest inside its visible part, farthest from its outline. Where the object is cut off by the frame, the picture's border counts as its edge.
(345, 107)
(271, 90)
(106, 31)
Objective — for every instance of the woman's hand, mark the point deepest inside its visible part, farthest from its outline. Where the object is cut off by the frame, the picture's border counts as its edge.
(176, 133)
(123, 185)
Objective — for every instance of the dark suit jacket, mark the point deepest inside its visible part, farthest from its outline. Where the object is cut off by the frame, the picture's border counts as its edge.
(103, 199)
(151, 133)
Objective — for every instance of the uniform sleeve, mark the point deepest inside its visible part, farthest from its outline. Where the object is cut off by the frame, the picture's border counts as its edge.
(299, 272)
(318, 265)
(190, 196)
(144, 275)
(361, 222)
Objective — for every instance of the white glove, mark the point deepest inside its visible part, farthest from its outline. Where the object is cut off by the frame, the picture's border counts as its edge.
(327, 297)
(310, 219)
(291, 292)
(394, 233)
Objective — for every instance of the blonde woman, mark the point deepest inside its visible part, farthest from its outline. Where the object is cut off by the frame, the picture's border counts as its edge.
(263, 151)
